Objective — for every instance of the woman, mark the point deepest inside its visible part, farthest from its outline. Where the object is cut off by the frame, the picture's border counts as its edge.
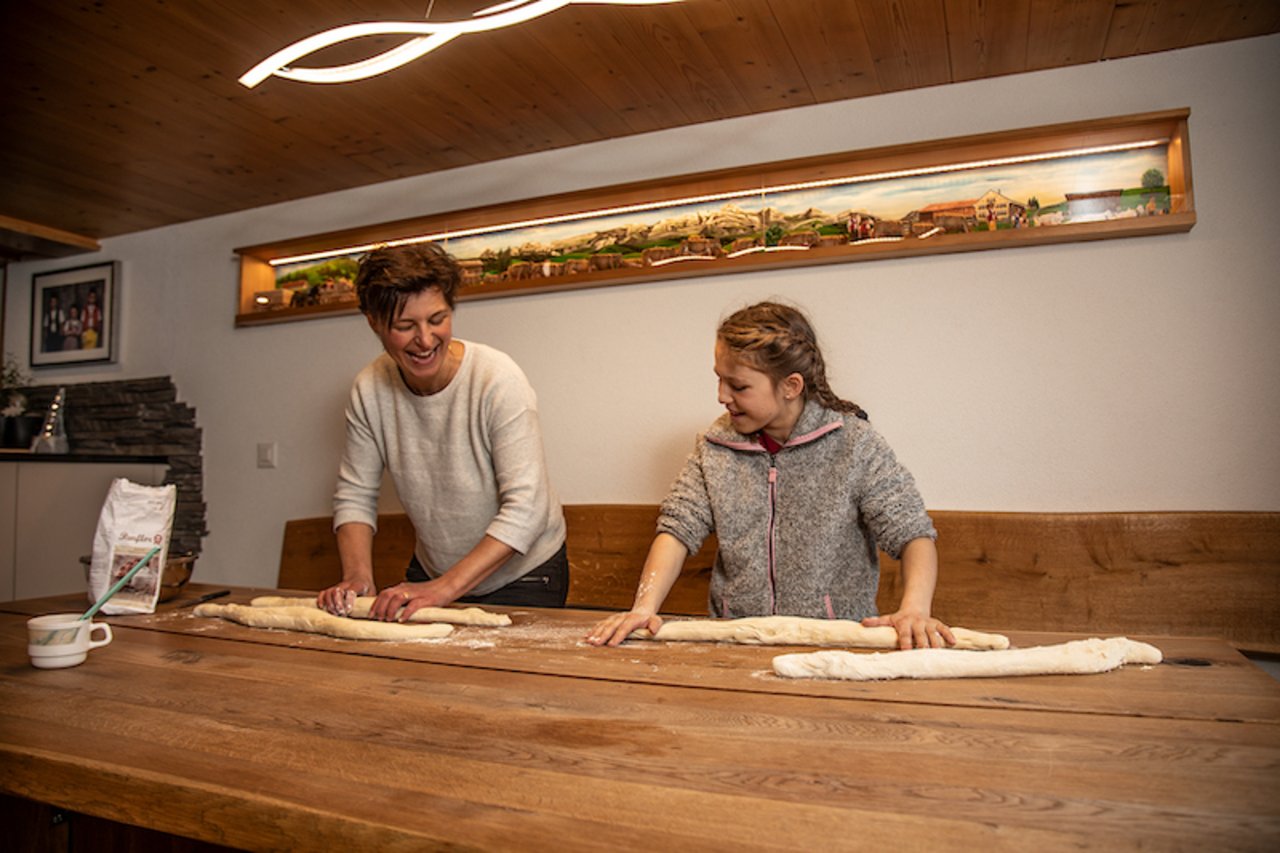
(455, 423)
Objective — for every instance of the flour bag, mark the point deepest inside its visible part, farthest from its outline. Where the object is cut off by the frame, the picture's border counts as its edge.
(134, 519)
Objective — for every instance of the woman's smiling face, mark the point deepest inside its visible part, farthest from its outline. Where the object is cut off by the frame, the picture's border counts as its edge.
(418, 341)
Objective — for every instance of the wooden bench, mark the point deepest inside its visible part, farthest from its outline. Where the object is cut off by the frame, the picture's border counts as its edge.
(607, 544)
(1165, 573)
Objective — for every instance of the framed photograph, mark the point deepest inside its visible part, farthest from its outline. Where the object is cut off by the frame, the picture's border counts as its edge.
(73, 315)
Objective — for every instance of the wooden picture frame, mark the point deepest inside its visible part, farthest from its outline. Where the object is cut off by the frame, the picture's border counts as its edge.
(74, 315)
(1117, 177)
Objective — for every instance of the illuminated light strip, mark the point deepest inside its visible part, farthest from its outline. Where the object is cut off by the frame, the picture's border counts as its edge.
(501, 7)
(678, 258)
(742, 252)
(427, 37)
(937, 229)
(724, 196)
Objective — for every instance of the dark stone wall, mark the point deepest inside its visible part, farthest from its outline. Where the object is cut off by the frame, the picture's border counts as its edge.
(139, 417)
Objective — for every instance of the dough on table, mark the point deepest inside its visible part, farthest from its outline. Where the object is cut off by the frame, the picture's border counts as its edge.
(801, 631)
(313, 620)
(1078, 657)
(363, 604)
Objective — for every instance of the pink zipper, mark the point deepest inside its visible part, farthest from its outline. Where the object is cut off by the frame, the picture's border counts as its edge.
(773, 505)
(755, 447)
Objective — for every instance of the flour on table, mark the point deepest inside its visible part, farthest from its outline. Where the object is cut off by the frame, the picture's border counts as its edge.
(363, 604)
(313, 620)
(800, 631)
(1078, 657)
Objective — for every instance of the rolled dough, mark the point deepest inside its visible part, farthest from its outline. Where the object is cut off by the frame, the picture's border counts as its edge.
(799, 631)
(313, 620)
(1077, 657)
(360, 610)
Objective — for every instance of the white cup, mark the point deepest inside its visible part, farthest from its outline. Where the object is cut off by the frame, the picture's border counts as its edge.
(63, 639)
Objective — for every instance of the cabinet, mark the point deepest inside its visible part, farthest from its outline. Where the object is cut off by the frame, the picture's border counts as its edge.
(48, 515)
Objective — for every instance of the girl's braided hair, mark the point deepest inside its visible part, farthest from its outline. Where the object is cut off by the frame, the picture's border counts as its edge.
(778, 340)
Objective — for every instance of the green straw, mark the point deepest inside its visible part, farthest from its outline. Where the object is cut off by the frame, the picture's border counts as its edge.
(119, 585)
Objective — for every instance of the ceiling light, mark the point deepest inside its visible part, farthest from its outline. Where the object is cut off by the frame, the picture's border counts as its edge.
(427, 37)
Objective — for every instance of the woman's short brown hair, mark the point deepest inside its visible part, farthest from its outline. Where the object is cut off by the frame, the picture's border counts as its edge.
(389, 275)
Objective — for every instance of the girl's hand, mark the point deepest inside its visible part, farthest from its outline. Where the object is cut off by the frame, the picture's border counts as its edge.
(397, 603)
(339, 598)
(616, 628)
(915, 630)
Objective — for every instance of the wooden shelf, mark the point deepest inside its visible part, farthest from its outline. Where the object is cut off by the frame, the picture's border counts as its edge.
(258, 274)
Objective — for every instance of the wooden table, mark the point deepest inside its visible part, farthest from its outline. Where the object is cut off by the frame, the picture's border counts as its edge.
(525, 737)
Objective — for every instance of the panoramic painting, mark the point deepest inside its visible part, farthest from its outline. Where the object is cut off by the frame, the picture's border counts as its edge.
(1056, 191)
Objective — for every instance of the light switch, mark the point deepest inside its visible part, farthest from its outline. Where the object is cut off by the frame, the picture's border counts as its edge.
(267, 454)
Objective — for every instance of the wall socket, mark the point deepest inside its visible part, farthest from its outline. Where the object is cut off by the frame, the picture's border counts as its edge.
(267, 454)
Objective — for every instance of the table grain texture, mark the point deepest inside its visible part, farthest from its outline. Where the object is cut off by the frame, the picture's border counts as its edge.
(525, 737)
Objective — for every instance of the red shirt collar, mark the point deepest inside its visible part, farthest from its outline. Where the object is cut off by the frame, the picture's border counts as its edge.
(767, 441)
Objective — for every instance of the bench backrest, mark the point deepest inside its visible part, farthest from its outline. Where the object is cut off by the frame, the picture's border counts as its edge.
(1165, 573)
(607, 544)
(309, 554)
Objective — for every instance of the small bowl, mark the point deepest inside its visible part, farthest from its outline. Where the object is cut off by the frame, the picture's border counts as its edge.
(177, 571)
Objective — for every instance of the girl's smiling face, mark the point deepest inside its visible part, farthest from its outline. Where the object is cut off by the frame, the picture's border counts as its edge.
(755, 402)
(418, 341)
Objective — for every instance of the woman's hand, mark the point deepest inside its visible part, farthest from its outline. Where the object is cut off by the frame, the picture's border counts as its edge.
(616, 628)
(397, 603)
(916, 630)
(339, 598)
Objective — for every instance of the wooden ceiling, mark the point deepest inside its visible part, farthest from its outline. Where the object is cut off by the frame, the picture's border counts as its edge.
(125, 115)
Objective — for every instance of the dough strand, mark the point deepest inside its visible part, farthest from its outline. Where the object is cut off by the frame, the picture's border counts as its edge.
(801, 631)
(313, 620)
(1078, 657)
(363, 604)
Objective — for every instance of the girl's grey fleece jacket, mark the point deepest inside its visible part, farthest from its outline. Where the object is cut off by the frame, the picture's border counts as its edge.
(798, 531)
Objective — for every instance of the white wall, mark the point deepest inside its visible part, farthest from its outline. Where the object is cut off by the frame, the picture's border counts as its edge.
(1134, 374)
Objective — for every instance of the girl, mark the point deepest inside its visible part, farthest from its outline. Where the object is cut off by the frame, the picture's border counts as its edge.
(71, 329)
(799, 490)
